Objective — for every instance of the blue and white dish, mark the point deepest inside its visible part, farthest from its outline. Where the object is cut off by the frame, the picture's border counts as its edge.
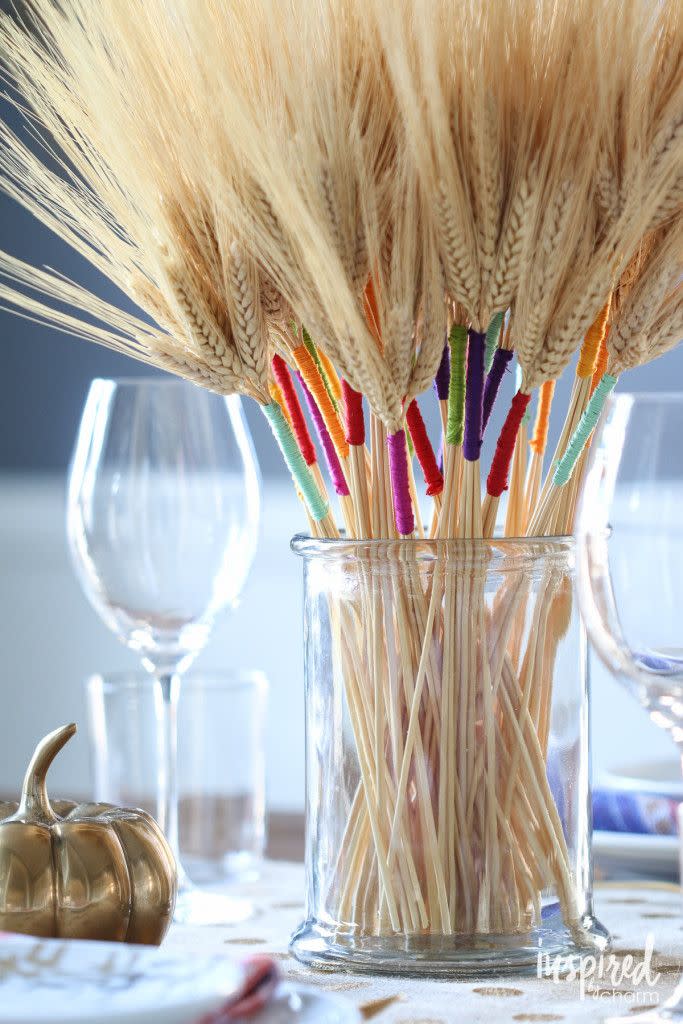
(635, 818)
(640, 798)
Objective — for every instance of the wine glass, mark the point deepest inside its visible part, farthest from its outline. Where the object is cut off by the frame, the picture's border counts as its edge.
(162, 521)
(630, 571)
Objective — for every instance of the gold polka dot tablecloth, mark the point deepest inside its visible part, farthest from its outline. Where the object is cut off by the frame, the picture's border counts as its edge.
(645, 919)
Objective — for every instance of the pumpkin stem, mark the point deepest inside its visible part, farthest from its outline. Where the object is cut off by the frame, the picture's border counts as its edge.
(35, 804)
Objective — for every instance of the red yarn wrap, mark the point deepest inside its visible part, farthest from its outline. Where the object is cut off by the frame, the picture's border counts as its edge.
(353, 415)
(497, 480)
(423, 449)
(296, 413)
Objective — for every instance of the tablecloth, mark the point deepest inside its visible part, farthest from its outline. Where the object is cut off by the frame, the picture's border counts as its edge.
(640, 915)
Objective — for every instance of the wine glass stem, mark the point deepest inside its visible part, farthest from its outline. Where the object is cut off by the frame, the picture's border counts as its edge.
(680, 823)
(167, 691)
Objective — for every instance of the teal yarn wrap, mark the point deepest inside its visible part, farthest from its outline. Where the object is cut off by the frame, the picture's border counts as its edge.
(303, 478)
(584, 429)
(492, 335)
(455, 425)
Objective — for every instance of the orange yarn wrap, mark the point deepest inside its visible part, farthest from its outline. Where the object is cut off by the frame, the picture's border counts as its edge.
(592, 342)
(539, 438)
(371, 309)
(276, 395)
(331, 374)
(601, 362)
(316, 385)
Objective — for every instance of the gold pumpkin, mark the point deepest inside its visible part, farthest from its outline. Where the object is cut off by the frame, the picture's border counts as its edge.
(81, 871)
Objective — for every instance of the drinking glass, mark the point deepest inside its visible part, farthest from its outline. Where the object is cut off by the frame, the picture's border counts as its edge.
(221, 797)
(162, 521)
(630, 560)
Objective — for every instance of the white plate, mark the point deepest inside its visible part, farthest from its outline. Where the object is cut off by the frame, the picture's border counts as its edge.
(71, 982)
(661, 777)
(640, 854)
(298, 1005)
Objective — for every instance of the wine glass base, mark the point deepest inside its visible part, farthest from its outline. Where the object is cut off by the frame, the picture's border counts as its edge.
(196, 906)
(670, 1012)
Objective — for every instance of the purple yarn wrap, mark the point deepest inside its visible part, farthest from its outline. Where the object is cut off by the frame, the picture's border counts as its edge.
(439, 457)
(400, 488)
(474, 395)
(501, 358)
(333, 463)
(442, 377)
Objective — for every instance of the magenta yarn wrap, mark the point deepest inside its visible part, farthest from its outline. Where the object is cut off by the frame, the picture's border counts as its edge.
(501, 359)
(474, 395)
(333, 464)
(400, 488)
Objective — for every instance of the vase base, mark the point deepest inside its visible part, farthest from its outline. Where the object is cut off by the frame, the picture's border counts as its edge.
(549, 948)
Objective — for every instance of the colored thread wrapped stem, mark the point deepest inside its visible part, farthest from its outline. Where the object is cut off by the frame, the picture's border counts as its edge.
(353, 414)
(539, 438)
(492, 335)
(423, 450)
(497, 480)
(591, 343)
(518, 387)
(333, 464)
(330, 375)
(371, 309)
(455, 423)
(474, 396)
(316, 385)
(400, 487)
(494, 378)
(601, 362)
(443, 376)
(293, 410)
(315, 356)
(276, 394)
(584, 429)
(301, 474)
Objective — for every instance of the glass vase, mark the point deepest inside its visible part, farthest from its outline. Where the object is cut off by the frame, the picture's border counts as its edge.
(448, 821)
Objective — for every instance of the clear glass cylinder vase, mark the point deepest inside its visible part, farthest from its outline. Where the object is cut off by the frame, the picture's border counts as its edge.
(448, 778)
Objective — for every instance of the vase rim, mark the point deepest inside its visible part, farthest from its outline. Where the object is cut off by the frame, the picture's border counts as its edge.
(510, 550)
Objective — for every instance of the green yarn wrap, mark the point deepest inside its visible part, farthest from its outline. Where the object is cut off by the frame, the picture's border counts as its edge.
(492, 335)
(411, 446)
(455, 426)
(584, 429)
(310, 345)
(301, 474)
(518, 387)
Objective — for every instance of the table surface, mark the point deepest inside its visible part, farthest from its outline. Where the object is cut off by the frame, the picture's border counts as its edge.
(633, 911)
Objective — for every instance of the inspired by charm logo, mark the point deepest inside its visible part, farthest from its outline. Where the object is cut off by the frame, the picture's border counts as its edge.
(608, 975)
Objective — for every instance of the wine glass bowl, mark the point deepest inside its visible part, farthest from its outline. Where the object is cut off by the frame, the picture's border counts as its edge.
(162, 512)
(630, 549)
